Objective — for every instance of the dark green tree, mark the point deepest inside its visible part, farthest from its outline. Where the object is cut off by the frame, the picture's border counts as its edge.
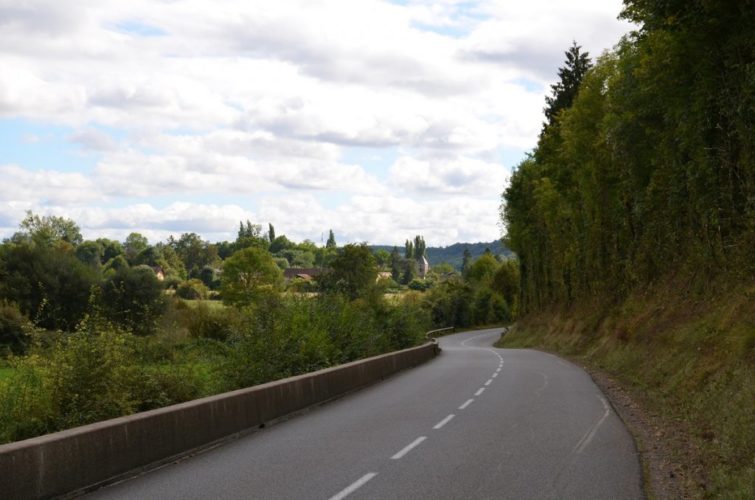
(194, 252)
(133, 298)
(570, 76)
(49, 229)
(409, 271)
(110, 248)
(408, 249)
(134, 244)
(396, 265)
(90, 253)
(281, 243)
(49, 284)
(250, 235)
(14, 328)
(353, 272)
(466, 262)
(419, 247)
(270, 233)
(331, 243)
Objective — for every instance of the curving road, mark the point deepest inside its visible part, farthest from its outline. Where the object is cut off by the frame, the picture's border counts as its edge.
(476, 422)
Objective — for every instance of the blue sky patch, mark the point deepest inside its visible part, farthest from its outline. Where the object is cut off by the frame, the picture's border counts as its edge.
(37, 146)
(376, 161)
(138, 28)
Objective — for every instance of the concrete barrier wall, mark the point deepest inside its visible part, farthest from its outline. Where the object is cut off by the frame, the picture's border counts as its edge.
(58, 463)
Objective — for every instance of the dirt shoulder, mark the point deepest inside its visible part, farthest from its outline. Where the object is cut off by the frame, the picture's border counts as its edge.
(661, 446)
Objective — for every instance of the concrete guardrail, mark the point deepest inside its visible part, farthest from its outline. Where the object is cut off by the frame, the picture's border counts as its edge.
(83, 457)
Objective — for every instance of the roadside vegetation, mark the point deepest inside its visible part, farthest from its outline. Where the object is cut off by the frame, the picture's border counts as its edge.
(634, 224)
(91, 330)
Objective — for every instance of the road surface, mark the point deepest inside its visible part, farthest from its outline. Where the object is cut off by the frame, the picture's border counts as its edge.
(476, 422)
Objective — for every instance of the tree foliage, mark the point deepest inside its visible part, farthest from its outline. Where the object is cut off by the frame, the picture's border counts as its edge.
(49, 229)
(565, 89)
(49, 284)
(650, 171)
(133, 298)
(249, 274)
(353, 272)
(331, 243)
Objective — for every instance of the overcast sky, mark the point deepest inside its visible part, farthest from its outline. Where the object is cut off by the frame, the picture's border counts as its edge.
(378, 119)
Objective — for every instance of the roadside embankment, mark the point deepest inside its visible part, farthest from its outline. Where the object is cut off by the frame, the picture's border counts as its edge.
(73, 459)
(686, 362)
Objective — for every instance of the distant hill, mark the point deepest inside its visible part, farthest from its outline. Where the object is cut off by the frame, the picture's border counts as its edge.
(454, 254)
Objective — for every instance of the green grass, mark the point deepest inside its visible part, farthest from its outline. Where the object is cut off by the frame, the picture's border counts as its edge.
(5, 372)
(689, 360)
(212, 304)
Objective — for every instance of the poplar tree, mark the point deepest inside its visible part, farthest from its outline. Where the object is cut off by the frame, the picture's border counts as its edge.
(331, 243)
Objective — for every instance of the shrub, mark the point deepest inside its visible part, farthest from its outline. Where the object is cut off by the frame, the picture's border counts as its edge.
(85, 377)
(133, 299)
(49, 284)
(211, 322)
(26, 407)
(192, 289)
(418, 285)
(166, 386)
(14, 328)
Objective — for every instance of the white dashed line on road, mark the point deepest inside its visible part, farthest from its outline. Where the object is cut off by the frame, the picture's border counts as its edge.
(354, 486)
(466, 403)
(443, 422)
(479, 391)
(490, 381)
(409, 447)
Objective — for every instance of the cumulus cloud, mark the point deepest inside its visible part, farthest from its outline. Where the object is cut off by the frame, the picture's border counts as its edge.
(21, 187)
(93, 140)
(261, 99)
(467, 176)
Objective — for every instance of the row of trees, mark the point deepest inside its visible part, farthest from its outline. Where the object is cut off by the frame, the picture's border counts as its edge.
(645, 164)
(52, 277)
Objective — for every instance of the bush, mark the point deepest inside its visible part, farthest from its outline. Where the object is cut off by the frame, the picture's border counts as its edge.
(14, 328)
(286, 337)
(26, 408)
(192, 289)
(159, 387)
(133, 299)
(86, 377)
(210, 322)
(418, 285)
(50, 285)
(405, 324)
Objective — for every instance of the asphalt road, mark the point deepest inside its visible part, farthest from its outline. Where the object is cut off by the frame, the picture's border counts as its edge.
(476, 422)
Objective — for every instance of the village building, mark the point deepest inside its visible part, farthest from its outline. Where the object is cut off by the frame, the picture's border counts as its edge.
(303, 273)
(423, 266)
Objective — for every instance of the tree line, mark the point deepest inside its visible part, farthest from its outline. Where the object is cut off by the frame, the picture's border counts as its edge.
(644, 167)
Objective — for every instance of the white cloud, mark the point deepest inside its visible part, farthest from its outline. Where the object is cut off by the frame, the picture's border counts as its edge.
(261, 99)
(458, 176)
(21, 187)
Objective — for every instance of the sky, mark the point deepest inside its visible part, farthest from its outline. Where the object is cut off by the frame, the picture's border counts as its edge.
(377, 119)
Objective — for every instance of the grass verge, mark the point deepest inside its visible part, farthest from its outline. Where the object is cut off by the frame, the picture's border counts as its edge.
(687, 359)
